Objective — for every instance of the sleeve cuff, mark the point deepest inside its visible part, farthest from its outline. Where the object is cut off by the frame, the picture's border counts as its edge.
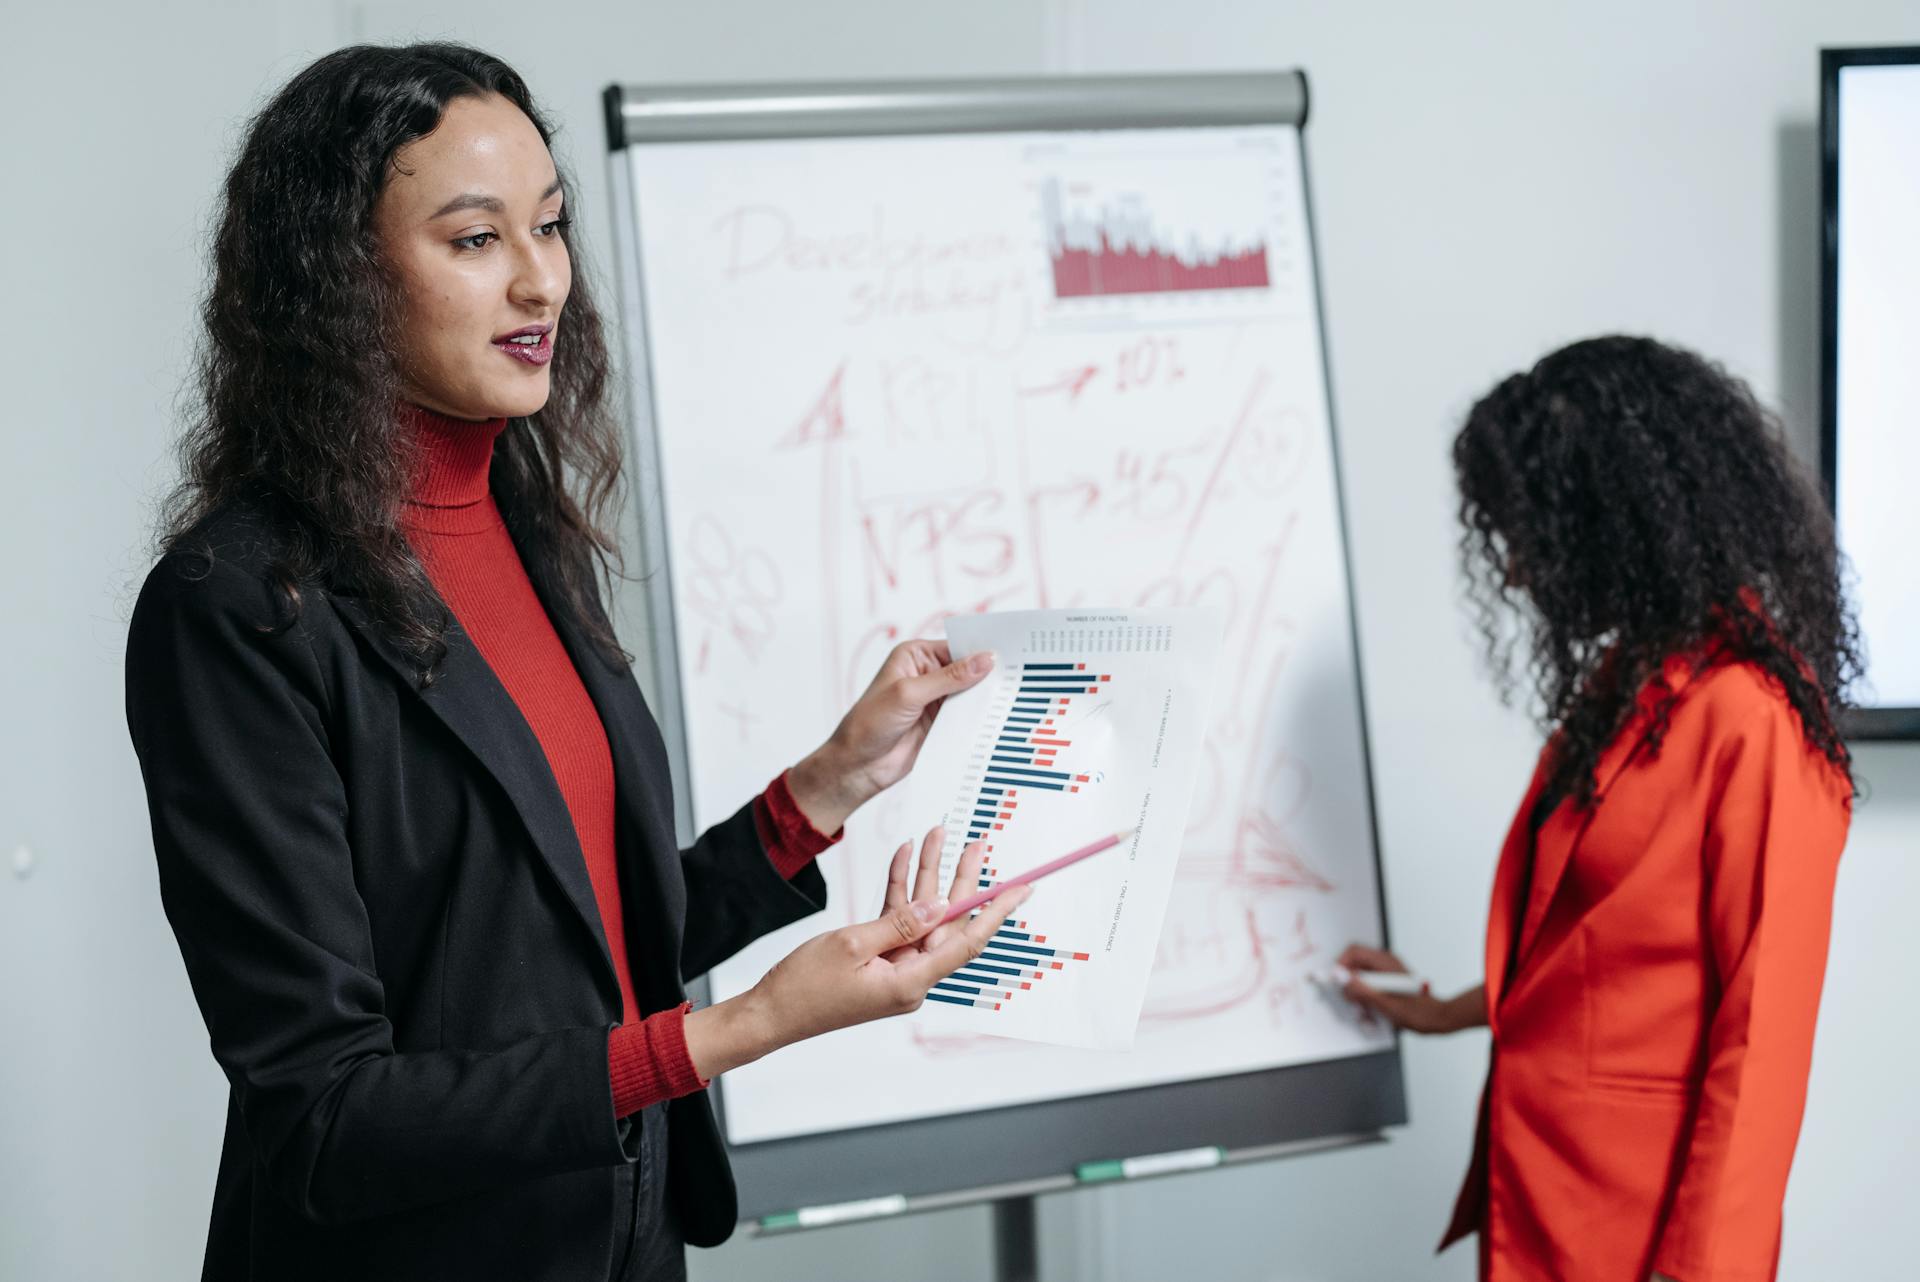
(649, 1063)
(791, 840)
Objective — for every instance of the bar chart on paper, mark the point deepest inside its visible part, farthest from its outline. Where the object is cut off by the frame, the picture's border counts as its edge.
(1123, 249)
(1203, 229)
(1091, 724)
(1019, 747)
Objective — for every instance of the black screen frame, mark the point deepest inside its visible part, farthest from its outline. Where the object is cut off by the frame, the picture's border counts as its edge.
(1872, 722)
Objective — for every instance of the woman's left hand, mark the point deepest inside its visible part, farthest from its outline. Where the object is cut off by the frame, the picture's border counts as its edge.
(926, 884)
(879, 738)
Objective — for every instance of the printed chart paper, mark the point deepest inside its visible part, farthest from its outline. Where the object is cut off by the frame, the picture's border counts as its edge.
(1091, 724)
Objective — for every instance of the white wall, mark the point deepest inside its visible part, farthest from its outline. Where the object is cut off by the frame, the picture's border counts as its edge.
(1490, 180)
(110, 1106)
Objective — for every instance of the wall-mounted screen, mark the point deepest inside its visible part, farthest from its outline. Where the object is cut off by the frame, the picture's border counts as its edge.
(1871, 376)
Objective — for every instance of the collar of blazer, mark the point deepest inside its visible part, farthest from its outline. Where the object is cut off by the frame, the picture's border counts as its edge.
(472, 703)
(1560, 835)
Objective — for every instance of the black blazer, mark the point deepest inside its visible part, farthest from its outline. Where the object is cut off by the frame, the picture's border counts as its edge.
(388, 925)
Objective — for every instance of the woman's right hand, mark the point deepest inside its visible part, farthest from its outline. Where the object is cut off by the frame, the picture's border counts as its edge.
(1420, 1012)
(858, 973)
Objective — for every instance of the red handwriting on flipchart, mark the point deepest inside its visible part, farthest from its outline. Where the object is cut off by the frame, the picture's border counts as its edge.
(971, 283)
(950, 544)
(730, 590)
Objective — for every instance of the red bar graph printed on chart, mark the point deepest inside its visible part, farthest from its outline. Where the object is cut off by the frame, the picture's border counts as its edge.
(1019, 766)
(1119, 252)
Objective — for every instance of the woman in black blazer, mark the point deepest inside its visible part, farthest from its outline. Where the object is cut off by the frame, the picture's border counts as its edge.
(378, 888)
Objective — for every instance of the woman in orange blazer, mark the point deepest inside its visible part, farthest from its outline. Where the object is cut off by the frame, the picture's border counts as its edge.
(1658, 932)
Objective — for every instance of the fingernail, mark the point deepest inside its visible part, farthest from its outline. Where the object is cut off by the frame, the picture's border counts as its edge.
(981, 663)
(930, 909)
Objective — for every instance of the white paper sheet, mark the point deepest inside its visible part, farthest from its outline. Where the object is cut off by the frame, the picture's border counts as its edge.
(1091, 724)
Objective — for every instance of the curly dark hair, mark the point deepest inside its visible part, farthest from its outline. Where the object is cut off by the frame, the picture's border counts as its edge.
(298, 392)
(1623, 502)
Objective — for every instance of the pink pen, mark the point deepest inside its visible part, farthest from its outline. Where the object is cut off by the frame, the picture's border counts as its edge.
(971, 902)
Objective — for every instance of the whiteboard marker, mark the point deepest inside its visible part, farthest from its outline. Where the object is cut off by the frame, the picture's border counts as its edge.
(1380, 981)
(813, 1217)
(1136, 1168)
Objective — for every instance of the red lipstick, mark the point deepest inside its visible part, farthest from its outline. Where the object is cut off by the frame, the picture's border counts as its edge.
(537, 352)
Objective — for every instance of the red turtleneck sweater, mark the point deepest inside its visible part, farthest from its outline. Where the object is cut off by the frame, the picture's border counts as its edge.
(454, 525)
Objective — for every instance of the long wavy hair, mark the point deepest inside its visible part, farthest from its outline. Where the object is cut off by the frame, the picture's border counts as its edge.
(297, 388)
(1623, 502)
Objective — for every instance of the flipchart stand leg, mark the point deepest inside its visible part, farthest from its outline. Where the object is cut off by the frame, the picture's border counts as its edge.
(1016, 1240)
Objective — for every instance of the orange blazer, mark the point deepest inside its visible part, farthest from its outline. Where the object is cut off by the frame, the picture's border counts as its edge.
(1652, 1002)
